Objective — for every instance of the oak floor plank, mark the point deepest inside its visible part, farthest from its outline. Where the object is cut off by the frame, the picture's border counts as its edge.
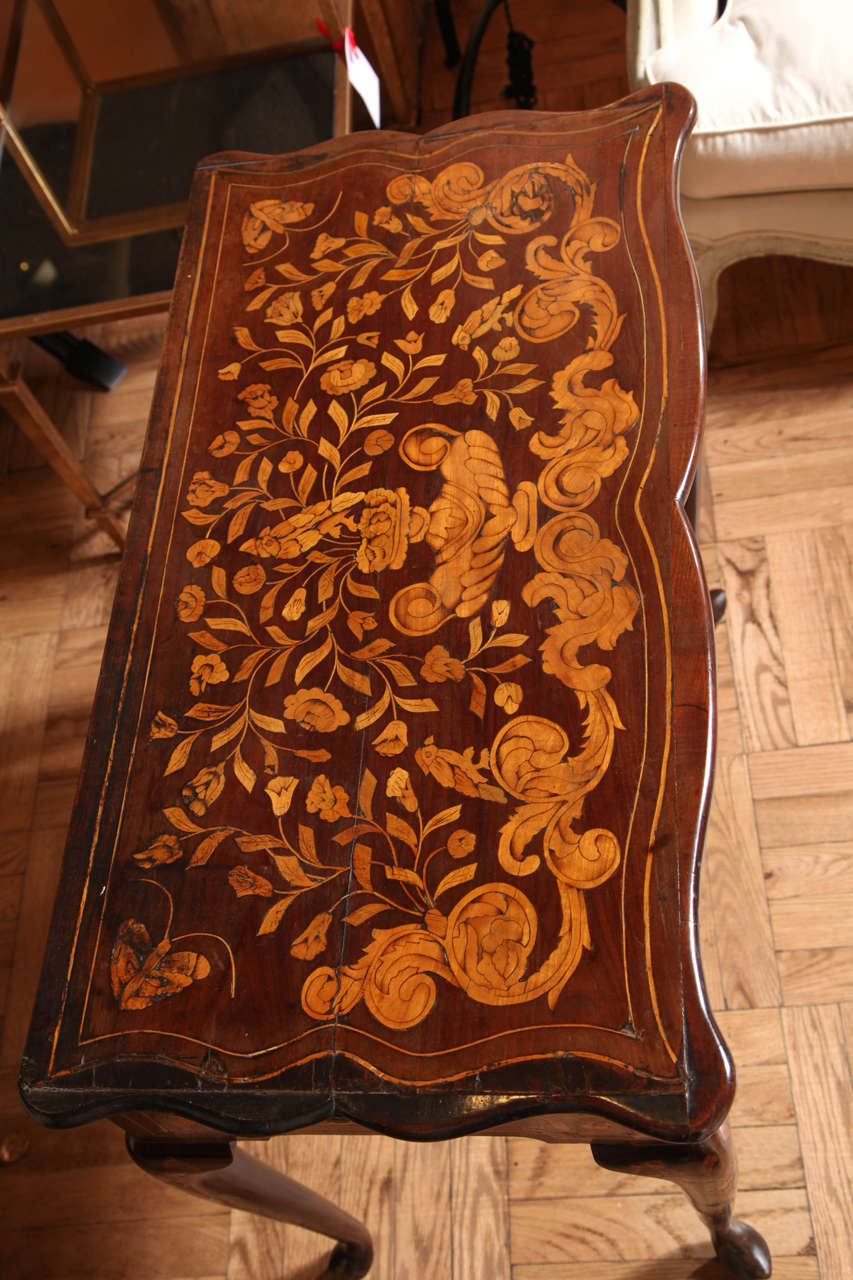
(730, 740)
(39, 891)
(808, 871)
(315, 1160)
(812, 676)
(813, 771)
(11, 888)
(847, 1023)
(13, 852)
(817, 976)
(72, 690)
(729, 732)
(823, 1096)
(368, 1192)
(189, 1248)
(803, 796)
(711, 569)
(706, 533)
(821, 508)
(736, 883)
(647, 1226)
(763, 1096)
(54, 1150)
(800, 818)
(781, 473)
(92, 580)
(26, 663)
(122, 1192)
(33, 583)
(54, 802)
(757, 658)
(423, 1199)
(480, 1219)
(815, 920)
(753, 1035)
(255, 1244)
(37, 505)
(763, 434)
(835, 564)
(659, 1269)
(768, 1156)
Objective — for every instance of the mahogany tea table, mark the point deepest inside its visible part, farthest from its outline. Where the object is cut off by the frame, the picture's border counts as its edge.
(395, 790)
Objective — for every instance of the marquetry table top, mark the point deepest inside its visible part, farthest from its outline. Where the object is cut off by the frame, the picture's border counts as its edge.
(397, 774)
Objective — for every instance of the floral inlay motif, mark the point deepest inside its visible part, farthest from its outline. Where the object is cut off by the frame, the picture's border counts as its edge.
(300, 525)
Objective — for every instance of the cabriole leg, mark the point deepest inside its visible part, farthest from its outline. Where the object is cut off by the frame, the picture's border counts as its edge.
(220, 1171)
(707, 1173)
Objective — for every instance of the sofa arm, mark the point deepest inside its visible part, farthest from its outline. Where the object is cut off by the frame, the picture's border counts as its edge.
(651, 24)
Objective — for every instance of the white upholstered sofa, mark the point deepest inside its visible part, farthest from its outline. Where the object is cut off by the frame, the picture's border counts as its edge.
(769, 168)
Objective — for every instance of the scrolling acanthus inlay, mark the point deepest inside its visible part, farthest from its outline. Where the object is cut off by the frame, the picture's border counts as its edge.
(285, 665)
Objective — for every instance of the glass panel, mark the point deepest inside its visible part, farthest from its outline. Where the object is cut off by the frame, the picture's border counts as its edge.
(150, 138)
(39, 273)
(45, 100)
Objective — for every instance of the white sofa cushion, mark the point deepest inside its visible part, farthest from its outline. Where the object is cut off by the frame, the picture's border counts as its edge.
(772, 81)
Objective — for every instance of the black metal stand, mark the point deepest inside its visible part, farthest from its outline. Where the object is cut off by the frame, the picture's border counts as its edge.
(447, 27)
(82, 358)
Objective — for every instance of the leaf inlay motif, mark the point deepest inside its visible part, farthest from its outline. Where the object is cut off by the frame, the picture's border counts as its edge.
(303, 645)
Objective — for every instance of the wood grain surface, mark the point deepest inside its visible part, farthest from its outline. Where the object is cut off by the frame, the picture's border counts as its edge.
(47, 554)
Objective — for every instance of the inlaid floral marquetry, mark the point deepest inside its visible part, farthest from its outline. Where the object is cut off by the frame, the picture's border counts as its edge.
(385, 782)
(299, 633)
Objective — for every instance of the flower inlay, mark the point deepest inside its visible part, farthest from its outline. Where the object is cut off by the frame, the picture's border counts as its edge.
(327, 603)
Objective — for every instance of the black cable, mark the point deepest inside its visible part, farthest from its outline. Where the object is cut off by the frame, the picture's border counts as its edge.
(519, 60)
(519, 63)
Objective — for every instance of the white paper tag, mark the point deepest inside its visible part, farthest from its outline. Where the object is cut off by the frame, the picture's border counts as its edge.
(362, 77)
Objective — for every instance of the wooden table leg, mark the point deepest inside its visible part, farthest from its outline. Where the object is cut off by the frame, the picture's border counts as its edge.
(707, 1173)
(220, 1171)
(22, 405)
